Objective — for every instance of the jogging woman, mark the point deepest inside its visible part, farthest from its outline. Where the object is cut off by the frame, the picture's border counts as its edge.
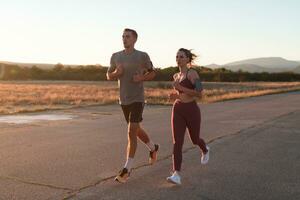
(185, 111)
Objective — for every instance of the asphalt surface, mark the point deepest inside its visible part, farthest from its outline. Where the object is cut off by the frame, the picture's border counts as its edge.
(254, 142)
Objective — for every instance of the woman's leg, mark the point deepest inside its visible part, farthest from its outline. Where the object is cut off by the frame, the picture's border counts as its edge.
(178, 130)
(193, 124)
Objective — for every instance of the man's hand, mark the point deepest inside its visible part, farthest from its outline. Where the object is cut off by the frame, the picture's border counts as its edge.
(115, 74)
(119, 70)
(138, 78)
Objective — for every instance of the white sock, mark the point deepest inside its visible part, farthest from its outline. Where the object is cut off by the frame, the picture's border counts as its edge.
(150, 146)
(128, 164)
(176, 173)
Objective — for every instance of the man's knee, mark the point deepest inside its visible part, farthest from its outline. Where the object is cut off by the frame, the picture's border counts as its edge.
(133, 128)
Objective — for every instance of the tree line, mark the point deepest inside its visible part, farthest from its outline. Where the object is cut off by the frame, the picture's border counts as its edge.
(98, 73)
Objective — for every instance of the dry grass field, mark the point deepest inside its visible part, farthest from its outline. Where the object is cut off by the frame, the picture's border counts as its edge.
(31, 96)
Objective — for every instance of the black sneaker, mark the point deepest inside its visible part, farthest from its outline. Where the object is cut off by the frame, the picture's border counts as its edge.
(123, 176)
(153, 154)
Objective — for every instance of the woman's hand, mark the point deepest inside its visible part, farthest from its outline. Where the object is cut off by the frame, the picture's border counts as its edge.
(173, 96)
(177, 86)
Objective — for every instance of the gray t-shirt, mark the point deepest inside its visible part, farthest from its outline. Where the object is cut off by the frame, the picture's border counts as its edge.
(137, 62)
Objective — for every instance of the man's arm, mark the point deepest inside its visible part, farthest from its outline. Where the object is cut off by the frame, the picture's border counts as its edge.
(150, 71)
(117, 73)
(110, 76)
(145, 77)
(114, 71)
(149, 75)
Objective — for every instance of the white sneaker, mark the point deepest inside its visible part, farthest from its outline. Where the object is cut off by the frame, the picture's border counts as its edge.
(175, 179)
(205, 157)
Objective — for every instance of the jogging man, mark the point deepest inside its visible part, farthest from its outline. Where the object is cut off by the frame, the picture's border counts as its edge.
(131, 68)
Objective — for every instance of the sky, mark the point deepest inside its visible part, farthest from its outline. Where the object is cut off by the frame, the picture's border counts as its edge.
(88, 32)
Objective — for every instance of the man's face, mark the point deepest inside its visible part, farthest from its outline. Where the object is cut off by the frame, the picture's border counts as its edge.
(128, 39)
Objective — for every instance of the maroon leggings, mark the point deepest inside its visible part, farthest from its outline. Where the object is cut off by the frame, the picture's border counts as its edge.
(185, 115)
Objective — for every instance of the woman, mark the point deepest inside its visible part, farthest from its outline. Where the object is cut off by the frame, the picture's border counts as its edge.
(185, 112)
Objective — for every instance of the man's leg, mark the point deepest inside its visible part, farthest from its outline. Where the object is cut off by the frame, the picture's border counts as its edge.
(136, 116)
(133, 116)
(132, 139)
(131, 149)
(143, 136)
(131, 145)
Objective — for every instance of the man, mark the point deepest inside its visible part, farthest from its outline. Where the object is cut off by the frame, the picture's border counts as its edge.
(131, 68)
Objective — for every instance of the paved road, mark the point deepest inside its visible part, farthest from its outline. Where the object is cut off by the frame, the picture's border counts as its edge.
(255, 154)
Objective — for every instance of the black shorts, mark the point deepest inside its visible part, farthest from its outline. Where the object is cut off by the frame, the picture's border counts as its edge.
(133, 112)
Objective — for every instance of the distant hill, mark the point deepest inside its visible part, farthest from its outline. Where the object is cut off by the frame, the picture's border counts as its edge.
(247, 67)
(268, 64)
(297, 70)
(214, 66)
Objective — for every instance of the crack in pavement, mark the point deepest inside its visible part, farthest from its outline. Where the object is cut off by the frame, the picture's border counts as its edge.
(260, 126)
(35, 183)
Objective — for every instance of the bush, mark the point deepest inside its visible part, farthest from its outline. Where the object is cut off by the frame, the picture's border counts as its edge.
(98, 73)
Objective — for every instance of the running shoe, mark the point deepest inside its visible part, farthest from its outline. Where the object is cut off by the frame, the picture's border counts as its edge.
(205, 157)
(153, 154)
(175, 179)
(123, 175)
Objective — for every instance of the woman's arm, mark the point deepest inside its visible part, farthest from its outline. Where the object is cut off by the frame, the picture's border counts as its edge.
(174, 94)
(194, 78)
(191, 92)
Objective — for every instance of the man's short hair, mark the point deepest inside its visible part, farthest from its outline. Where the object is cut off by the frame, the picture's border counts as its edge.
(132, 31)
